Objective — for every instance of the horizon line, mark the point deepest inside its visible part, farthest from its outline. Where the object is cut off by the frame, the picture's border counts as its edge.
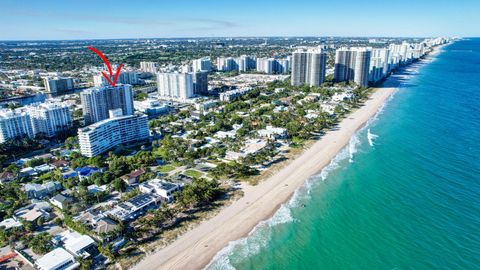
(224, 37)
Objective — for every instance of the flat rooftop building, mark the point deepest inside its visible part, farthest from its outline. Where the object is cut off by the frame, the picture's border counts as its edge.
(57, 259)
(106, 134)
(161, 188)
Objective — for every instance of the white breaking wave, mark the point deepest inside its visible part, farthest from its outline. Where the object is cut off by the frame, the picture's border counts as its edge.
(352, 147)
(261, 234)
(371, 137)
(250, 245)
(259, 237)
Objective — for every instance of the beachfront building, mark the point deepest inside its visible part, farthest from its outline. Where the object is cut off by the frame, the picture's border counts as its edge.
(49, 118)
(104, 135)
(379, 66)
(308, 67)
(97, 102)
(58, 85)
(175, 86)
(125, 77)
(353, 64)
(251, 147)
(13, 124)
(134, 207)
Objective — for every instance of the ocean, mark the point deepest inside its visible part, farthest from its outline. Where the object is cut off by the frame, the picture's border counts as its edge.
(404, 194)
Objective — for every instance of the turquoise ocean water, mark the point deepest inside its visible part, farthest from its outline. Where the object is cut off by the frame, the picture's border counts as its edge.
(404, 194)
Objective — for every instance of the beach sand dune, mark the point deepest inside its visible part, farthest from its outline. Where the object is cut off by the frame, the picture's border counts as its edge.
(195, 249)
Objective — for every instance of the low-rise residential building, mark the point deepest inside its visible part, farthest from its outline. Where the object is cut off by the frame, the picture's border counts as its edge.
(151, 107)
(232, 94)
(106, 226)
(32, 212)
(251, 147)
(79, 245)
(57, 259)
(273, 133)
(10, 223)
(6, 177)
(204, 106)
(134, 207)
(161, 188)
(133, 177)
(95, 188)
(339, 97)
(61, 201)
(39, 191)
(328, 108)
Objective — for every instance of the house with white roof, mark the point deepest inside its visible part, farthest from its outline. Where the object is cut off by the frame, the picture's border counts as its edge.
(77, 244)
(161, 188)
(57, 259)
(273, 133)
(251, 147)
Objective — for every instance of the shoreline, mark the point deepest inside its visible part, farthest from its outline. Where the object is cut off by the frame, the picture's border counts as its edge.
(198, 246)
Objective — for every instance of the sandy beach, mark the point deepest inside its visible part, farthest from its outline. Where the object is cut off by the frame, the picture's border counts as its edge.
(196, 248)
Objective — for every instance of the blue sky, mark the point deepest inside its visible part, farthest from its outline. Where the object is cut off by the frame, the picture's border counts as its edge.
(87, 19)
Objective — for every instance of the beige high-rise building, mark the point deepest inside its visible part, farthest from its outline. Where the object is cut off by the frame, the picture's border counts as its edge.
(308, 67)
(352, 64)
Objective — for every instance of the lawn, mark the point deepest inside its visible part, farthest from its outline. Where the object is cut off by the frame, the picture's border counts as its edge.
(193, 173)
(166, 168)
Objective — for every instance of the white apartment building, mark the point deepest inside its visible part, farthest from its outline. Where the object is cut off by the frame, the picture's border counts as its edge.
(14, 123)
(49, 118)
(175, 86)
(104, 135)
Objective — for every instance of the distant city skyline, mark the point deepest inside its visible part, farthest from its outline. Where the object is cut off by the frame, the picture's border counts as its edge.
(56, 20)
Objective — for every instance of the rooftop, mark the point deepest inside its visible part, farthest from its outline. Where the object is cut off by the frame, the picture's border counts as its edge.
(54, 259)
